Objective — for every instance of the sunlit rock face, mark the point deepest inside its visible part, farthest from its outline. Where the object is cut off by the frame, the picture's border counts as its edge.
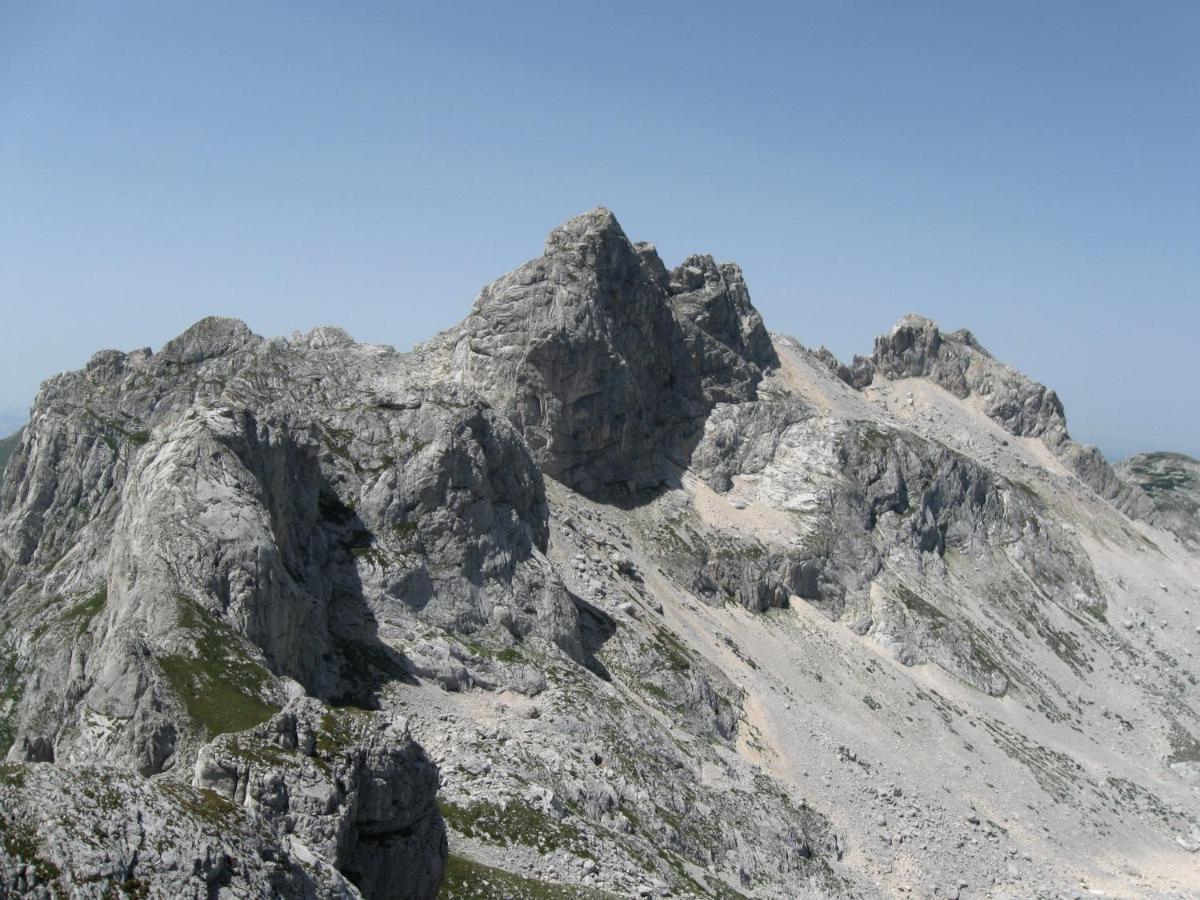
(605, 591)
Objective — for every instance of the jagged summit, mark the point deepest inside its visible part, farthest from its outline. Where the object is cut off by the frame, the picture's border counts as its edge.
(914, 321)
(595, 230)
(210, 337)
(621, 593)
(604, 360)
(956, 361)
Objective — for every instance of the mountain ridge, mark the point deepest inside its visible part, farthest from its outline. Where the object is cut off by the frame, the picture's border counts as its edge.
(668, 600)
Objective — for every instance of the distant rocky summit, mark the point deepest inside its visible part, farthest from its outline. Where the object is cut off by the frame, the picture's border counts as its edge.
(916, 348)
(1171, 481)
(604, 592)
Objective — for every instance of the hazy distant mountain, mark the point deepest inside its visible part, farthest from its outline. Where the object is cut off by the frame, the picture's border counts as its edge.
(7, 446)
(604, 592)
(11, 422)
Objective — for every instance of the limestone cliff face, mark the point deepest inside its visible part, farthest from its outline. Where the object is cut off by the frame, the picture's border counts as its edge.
(193, 536)
(603, 361)
(83, 831)
(348, 786)
(606, 565)
(229, 497)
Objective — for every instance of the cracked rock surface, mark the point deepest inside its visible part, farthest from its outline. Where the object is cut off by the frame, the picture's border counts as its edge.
(604, 592)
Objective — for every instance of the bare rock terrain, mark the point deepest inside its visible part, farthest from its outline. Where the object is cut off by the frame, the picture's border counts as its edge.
(605, 592)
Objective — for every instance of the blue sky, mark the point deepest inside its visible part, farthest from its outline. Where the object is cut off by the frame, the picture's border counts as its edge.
(1025, 170)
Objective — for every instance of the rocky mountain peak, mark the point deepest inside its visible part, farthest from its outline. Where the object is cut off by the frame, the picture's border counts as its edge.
(210, 337)
(916, 347)
(603, 360)
(591, 237)
(914, 322)
(625, 594)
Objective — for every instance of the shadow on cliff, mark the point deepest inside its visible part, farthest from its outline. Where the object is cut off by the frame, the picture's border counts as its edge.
(679, 453)
(595, 628)
(359, 662)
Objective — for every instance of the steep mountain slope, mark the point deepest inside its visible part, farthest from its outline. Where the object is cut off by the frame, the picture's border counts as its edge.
(674, 605)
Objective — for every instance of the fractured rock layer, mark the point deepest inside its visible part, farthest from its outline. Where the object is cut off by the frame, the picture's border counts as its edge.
(653, 601)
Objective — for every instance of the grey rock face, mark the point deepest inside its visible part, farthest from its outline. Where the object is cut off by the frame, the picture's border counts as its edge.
(239, 575)
(887, 493)
(715, 299)
(916, 348)
(602, 361)
(222, 501)
(209, 338)
(350, 786)
(92, 832)
(185, 544)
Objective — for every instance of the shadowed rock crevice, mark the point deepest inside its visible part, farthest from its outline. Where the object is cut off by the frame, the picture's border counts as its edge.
(596, 627)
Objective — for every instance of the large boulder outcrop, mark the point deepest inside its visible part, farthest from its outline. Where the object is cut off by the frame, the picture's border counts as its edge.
(348, 785)
(85, 831)
(603, 360)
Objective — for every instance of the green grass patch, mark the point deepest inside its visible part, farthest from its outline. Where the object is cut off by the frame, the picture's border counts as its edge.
(221, 687)
(466, 879)
(81, 614)
(10, 695)
(12, 774)
(368, 663)
(341, 728)
(921, 606)
(514, 824)
(206, 805)
(405, 530)
(114, 432)
(255, 750)
(1163, 473)
(22, 844)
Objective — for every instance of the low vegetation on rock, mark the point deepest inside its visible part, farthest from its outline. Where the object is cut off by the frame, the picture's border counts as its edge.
(605, 592)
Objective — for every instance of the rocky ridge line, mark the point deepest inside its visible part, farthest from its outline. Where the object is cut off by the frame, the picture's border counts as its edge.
(622, 564)
(917, 348)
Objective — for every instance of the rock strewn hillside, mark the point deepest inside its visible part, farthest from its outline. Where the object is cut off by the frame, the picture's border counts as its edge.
(674, 606)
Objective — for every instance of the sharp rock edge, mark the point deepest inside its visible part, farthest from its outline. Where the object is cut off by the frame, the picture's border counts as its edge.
(606, 591)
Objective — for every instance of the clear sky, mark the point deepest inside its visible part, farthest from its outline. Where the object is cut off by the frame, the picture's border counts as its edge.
(1028, 170)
